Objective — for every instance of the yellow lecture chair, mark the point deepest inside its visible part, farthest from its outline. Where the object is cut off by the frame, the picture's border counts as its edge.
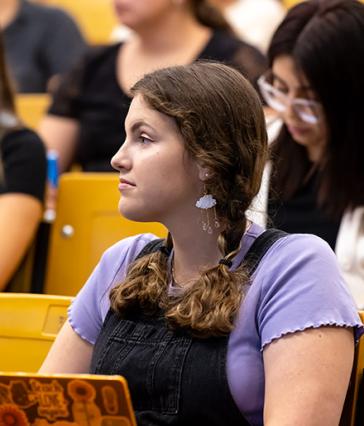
(29, 324)
(95, 18)
(351, 407)
(290, 3)
(87, 223)
(32, 107)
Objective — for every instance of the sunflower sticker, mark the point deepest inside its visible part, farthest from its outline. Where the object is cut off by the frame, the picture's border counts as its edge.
(11, 415)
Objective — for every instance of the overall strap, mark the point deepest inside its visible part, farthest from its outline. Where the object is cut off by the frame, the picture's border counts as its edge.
(150, 247)
(254, 255)
(260, 247)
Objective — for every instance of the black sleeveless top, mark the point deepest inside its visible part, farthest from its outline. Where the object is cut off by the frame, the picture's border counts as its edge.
(92, 95)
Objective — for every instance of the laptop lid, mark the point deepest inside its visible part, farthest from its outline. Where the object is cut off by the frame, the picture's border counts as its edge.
(30, 399)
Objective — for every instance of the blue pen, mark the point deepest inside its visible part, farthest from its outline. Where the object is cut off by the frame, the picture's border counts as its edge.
(52, 168)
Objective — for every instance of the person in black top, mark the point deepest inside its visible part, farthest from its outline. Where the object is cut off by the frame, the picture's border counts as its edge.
(316, 85)
(86, 119)
(41, 42)
(22, 182)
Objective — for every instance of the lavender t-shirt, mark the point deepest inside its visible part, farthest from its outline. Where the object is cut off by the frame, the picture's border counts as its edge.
(297, 285)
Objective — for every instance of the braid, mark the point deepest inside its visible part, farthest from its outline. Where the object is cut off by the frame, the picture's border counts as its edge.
(209, 307)
(145, 284)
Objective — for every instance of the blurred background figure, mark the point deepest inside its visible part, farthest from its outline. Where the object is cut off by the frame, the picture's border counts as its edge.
(41, 42)
(315, 84)
(22, 181)
(253, 20)
(95, 18)
(85, 123)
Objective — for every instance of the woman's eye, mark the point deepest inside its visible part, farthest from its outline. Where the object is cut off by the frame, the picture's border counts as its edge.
(280, 87)
(144, 139)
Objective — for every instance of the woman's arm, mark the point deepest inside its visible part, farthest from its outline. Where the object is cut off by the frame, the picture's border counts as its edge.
(19, 218)
(60, 134)
(306, 377)
(69, 353)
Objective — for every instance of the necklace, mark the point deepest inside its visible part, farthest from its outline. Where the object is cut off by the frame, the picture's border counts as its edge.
(173, 282)
(176, 284)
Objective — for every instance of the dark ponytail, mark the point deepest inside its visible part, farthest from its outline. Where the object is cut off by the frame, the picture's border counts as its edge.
(210, 16)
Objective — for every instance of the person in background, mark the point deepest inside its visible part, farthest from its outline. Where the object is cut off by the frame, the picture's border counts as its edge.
(315, 84)
(254, 21)
(22, 181)
(85, 121)
(221, 322)
(41, 42)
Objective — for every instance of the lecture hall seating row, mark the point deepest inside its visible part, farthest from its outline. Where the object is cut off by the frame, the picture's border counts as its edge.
(29, 324)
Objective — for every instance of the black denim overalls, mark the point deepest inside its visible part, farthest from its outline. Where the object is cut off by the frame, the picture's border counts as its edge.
(174, 379)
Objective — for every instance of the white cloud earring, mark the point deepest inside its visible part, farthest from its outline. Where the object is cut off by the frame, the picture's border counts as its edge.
(205, 203)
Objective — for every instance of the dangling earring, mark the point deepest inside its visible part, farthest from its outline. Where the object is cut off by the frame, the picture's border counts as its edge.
(206, 202)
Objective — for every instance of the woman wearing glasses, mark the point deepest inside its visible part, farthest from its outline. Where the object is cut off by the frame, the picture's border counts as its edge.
(315, 83)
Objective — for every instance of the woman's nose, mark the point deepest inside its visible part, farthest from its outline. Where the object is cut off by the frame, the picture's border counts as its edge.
(121, 160)
(289, 112)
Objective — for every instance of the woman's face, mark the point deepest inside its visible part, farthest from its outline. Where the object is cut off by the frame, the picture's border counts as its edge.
(136, 14)
(159, 181)
(288, 80)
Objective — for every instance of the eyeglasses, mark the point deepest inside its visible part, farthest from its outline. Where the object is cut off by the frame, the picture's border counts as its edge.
(307, 110)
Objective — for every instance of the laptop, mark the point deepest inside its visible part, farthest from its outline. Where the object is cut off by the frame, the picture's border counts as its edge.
(31, 399)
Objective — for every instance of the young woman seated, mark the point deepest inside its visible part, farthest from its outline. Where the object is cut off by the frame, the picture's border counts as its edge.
(221, 322)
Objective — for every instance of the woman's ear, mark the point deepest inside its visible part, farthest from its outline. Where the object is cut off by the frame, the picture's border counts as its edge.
(204, 173)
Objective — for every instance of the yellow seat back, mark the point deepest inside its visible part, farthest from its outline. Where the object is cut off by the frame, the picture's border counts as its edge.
(290, 3)
(87, 223)
(29, 324)
(95, 18)
(32, 107)
(352, 402)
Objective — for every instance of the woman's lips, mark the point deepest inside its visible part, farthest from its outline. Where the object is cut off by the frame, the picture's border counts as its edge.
(125, 184)
(297, 130)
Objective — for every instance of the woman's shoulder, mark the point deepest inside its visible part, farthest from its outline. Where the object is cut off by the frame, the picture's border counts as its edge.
(228, 48)
(126, 250)
(23, 140)
(21, 133)
(98, 63)
(233, 43)
(92, 302)
(114, 264)
(307, 242)
(301, 254)
(98, 55)
(298, 285)
(222, 46)
(95, 69)
(22, 153)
